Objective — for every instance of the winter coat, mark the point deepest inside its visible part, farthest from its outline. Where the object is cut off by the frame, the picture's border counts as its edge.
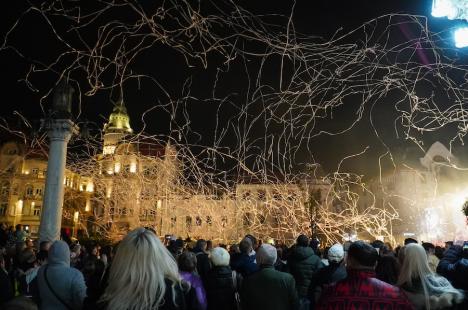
(269, 289)
(303, 264)
(455, 268)
(244, 264)
(327, 275)
(439, 298)
(197, 285)
(67, 282)
(219, 289)
(361, 290)
(6, 288)
(203, 263)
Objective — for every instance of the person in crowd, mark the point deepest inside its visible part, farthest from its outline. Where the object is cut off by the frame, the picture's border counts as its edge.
(203, 261)
(361, 289)
(425, 289)
(454, 266)
(431, 258)
(45, 246)
(93, 272)
(254, 243)
(303, 264)
(144, 275)
(176, 247)
(221, 282)
(410, 240)
(20, 234)
(244, 263)
(7, 291)
(75, 257)
(60, 286)
(387, 269)
(20, 303)
(268, 288)
(448, 245)
(106, 255)
(332, 273)
(3, 235)
(28, 281)
(325, 256)
(187, 262)
(281, 263)
(209, 245)
(439, 252)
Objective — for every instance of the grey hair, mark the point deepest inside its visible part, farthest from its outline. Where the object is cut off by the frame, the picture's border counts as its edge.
(266, 255)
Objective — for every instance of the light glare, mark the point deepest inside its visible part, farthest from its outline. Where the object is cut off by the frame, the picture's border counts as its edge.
(461, 37)
(444, 8)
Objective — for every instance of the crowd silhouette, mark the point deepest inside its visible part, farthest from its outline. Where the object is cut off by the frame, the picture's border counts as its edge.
(143, 272)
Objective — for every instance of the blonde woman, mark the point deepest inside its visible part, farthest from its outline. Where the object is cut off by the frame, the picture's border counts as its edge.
(144, 275)
(425, 289)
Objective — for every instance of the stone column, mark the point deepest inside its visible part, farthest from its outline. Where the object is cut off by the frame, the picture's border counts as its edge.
(59, 132)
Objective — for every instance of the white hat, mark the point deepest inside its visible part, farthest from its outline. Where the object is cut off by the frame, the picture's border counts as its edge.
(336, 253)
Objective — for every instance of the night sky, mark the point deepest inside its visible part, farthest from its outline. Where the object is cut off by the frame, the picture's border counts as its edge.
(311, 18)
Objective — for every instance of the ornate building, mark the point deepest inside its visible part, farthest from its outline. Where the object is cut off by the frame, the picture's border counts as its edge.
(137, 181)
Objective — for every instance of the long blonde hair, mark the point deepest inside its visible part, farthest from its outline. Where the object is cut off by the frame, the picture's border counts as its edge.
(138, 272)
(416, 268)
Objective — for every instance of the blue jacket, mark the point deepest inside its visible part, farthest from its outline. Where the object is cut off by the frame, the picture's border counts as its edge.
(244, 264)
(67, 282)
(454, 267)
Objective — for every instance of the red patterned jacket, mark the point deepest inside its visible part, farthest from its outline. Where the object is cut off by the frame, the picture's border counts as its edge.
(362, 291)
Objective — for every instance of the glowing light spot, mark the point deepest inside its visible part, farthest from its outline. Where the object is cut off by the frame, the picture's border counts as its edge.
(444, 8)
(461, 37)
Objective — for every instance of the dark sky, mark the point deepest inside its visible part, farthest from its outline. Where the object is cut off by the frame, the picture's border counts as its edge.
(312, 18)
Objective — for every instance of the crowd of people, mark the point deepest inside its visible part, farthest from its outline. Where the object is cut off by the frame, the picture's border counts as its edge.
(143, 272)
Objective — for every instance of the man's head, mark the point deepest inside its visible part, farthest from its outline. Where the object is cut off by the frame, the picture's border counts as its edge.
(245, 246)
(302, 240)
(361, 255)
(252, 239)
(429, 247)
(410, 240)
(266, 255)
(19, 227)
(201, 244)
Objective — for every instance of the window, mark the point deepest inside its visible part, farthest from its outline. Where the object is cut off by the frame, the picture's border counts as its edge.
(34, 171)
(261, 219)
(246, 195)
(247, 219)
(127, 168)
(261, 194)
(11, 151)
(39, 191)
(276, 195)
(3, 209)
(209, 220)
(5, 189)
(37, 211)
(29, 190)
(173, 221)
(198, 221)
(15, 189)
(224, 221)
(188, 222)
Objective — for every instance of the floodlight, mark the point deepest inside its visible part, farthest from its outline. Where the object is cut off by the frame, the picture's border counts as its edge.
(444, 8)
(461, 37)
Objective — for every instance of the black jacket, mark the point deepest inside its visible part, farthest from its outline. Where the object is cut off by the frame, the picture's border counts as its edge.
(219, 289)
(203, 263)
(303, 264)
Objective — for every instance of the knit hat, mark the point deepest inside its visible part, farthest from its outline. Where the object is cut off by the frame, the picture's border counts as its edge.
(336, 253)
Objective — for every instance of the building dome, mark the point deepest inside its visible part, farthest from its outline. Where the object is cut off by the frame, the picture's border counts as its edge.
(119, 121)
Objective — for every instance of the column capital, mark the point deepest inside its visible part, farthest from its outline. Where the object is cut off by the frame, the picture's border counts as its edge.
(59, 129)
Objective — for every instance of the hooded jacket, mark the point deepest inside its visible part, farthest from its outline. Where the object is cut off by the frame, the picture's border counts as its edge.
(303, 264)
(67, 282)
